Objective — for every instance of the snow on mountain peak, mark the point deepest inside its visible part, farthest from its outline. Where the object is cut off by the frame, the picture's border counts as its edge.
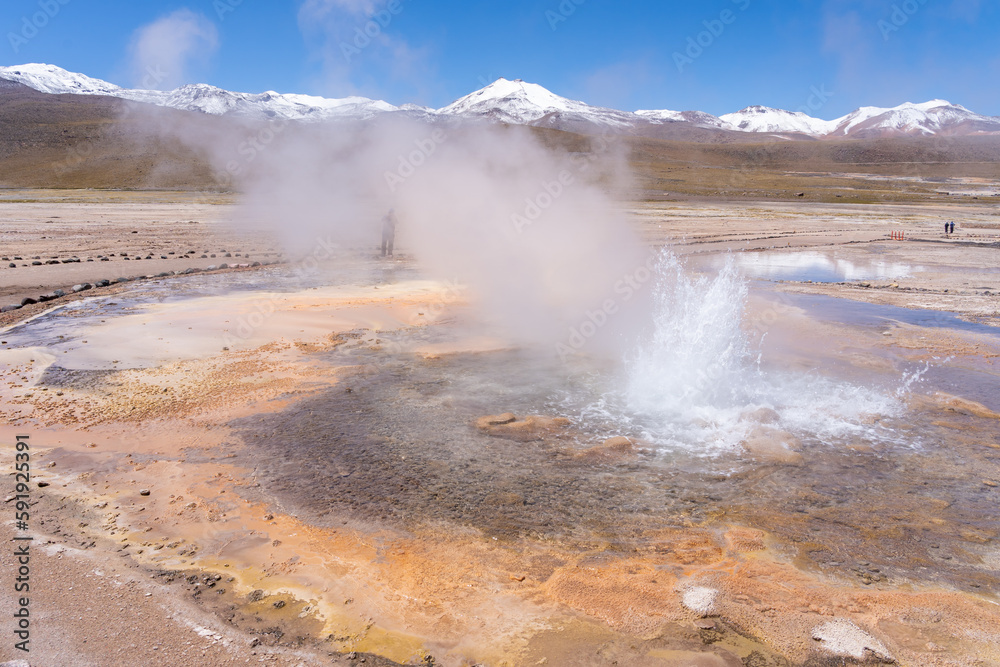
(765, 119)
(198, 96)
(513, 101)
(519, 102)
(56, 80)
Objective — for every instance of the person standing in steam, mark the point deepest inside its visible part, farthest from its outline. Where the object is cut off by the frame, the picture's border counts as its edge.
(388, 232)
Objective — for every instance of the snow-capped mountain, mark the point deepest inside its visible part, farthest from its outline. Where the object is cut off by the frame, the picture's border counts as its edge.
(699, 118)
(928, 118)
(199, 97)
(925, 119)
(766, 119)
(522, 103)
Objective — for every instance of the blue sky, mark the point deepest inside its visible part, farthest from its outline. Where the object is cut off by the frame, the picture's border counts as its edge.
(716, 56)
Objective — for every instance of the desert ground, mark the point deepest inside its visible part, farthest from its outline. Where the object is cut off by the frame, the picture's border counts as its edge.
(258, 464)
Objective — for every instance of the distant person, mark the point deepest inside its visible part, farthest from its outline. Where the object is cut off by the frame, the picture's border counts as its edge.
(953, 227)
(947, 226)
(388, 232)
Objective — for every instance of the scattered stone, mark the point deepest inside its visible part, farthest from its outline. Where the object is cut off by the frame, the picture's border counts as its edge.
(144, 492)
(103, 283)
(43, 484)
(12, 265)
(82, 287)
(223, 266)
(27, 301)
(13, 306)
(211, 267)
(36, 263)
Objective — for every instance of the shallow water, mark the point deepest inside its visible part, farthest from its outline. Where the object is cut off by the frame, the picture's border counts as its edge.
(878, 490)
(818, 267)
(863, 314)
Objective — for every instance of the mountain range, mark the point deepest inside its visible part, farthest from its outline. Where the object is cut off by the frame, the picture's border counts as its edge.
(521, 103)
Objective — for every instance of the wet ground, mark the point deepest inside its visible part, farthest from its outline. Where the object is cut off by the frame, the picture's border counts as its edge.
(351, 416)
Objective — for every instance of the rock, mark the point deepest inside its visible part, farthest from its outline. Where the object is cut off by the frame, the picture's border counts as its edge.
(533, 427)
(770, 443)
(800, 194)
(12, 265)
(612, 450)
(254, 263)
(144, 492)
(163, 274)
(36, 263)
(122, 280)
(7, 309)
(211, 267)
(59, 293)
(700, 599)
(27, 301)
(495, 420)
(842, 637)
(46, 297)
(82, 287)
(223, 266)
(761, 416)
(105, 259)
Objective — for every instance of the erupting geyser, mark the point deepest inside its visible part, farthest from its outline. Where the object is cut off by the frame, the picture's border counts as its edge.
(698, 380)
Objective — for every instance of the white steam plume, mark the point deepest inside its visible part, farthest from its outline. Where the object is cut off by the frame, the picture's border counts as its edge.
(166, 52)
